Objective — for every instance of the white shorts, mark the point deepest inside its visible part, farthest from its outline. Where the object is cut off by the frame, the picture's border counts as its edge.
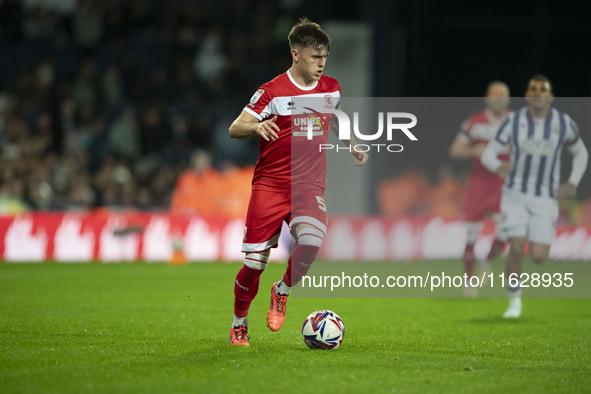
(528, 216)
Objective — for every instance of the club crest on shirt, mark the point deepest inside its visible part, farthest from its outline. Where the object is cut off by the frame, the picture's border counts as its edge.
(256, 96)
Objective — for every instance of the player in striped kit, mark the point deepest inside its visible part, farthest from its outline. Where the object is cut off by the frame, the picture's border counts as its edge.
(484, 187)
(289, 179)
(537, 135)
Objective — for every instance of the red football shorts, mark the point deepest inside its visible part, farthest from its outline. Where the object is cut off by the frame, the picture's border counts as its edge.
(483, 196)
(268, 209)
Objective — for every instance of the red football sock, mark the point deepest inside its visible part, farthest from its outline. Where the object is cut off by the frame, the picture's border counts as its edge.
(469, 259)
(304, 256)
(246, 287)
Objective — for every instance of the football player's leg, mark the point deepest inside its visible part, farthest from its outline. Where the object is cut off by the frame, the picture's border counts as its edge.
(514, 224)
(308, 241)
(513, 266)
(513, 271)
(540, 231)
(538, 252)
(246, 285)
(474, 211)
(542, 228)
(263, 225)
(496, 249)
(491, 199)
(472, 230)
(308, 227)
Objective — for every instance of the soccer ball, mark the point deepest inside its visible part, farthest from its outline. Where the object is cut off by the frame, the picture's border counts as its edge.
(323, 330)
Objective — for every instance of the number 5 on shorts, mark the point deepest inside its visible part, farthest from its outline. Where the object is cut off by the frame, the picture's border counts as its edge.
(321, 203)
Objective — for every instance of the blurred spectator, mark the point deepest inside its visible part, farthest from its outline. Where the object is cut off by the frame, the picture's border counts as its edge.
(88, 24)
(112, 86)
(194, 191)
(124, 136)
(211, 61)
(42, 24)
(446, 197)
(202, 189)
(84, 85)
(154, 131)
(404, 195)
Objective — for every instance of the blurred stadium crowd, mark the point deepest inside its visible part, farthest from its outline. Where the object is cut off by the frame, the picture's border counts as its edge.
(103, 104)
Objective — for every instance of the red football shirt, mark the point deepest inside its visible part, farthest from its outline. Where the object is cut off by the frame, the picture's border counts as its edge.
(481, 128)
(293, 159)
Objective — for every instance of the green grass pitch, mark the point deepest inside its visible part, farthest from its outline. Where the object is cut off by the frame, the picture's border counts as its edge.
(156, 328)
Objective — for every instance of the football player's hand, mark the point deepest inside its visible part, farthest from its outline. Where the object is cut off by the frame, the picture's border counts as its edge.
(504, 169)
(268, 129)
(567, 191)
(360, 157)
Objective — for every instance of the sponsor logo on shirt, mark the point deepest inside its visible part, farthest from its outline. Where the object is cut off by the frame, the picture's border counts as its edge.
(537, 147)
(315, 119)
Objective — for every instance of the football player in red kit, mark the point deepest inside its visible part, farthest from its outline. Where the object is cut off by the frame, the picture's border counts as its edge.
(484, 187)
(289, 179)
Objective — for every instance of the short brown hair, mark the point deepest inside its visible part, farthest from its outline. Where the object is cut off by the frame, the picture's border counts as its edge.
(308, 34)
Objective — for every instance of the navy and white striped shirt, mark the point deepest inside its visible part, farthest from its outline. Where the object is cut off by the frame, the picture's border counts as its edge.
(536, 149)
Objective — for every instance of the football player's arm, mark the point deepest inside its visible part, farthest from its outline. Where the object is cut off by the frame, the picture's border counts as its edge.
(246, 125)
(360, 157)
(579, 166)
(490, 160)
(489, 157)
(462, 148)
